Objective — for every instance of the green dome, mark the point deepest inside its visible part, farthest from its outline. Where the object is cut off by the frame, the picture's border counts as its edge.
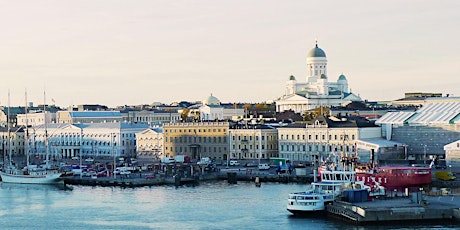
(316, 52)
(323, 76)
(211, 100)
(291, 78)
(342, 77)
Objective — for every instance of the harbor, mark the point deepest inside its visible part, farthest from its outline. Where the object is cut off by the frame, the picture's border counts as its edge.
(416, 207)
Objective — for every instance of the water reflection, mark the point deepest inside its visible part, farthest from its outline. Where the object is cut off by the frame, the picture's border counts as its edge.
(41, 187)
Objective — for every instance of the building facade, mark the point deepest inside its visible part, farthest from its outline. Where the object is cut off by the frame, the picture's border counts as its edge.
(84, 140)
(150, 144)
(317, 139)
(36, 118)
(255, 142)
(453, 154)
(74, 117)
(427, 130)
(196, 139)
(152, 117)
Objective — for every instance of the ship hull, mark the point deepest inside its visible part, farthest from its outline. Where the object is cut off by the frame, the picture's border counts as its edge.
(397, 178)
(32, 179)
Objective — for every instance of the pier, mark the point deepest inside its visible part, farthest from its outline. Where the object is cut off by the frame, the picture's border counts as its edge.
(398, 209)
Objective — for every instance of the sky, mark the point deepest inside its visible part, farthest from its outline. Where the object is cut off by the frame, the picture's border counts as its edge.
(123, 52)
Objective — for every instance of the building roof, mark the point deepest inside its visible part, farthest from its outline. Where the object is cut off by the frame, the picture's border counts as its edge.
(375, 143)
(433, 112)
(399, 117)
(95, 114)
(316, 52)
(211, 100)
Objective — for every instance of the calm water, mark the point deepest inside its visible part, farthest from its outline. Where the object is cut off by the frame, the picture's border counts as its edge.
(215, 205)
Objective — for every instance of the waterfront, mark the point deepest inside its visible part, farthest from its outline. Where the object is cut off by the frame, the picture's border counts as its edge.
(211, 205)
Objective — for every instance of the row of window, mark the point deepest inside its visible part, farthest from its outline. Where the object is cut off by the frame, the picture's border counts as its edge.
(185, 150)
(245, 147)
(249, 138)
(322, 148)
(195, 130)
(317, 137)
(197, 139)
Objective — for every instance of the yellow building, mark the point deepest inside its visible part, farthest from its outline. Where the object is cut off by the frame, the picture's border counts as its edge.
(197, 139)
(253, 142)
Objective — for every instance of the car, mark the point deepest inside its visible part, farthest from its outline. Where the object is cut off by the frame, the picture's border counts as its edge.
(264, 166)
(75, 158)
(234, 163)
(89, 159)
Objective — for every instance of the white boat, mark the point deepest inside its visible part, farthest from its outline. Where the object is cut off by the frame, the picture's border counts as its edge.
(332, 183)
(30, 175)
(314, 199)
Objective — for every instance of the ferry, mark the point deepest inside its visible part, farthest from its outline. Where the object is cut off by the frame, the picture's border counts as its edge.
(329, 188)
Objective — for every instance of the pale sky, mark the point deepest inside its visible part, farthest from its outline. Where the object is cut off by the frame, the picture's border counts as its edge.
(117, 52)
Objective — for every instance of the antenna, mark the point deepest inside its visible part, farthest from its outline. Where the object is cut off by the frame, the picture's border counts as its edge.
(27, 131)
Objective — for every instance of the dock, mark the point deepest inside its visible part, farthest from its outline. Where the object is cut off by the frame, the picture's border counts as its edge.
(398, 209)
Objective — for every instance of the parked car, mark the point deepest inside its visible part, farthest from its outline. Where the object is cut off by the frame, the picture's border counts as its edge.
(89, 159)
(75, 158)
(264, 166)
(234, 163)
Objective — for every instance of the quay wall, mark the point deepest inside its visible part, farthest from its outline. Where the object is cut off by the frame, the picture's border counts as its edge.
(361, 214)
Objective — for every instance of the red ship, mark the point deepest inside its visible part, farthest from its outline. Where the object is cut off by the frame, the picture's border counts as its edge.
(395, 177)
(390, 177)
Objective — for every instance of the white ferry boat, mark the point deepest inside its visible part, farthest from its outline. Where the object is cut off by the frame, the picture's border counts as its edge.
(332, 183)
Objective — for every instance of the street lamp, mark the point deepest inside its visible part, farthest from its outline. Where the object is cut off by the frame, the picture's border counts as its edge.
(424, 156)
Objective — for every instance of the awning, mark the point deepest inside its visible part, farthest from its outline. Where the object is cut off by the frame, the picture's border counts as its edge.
(376, 143)
(194, 146)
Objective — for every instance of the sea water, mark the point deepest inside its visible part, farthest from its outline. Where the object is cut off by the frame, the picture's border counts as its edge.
(210, 205)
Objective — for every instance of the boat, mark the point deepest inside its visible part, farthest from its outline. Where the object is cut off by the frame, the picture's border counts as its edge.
(394, 177)
(31, 174)
(330, 187)
(41, 176)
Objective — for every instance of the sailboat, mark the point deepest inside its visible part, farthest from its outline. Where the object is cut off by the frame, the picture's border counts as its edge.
(30, 174)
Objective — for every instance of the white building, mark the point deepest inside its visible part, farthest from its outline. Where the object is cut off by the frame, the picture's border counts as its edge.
(86, 140)
(319, 138)
(212, 110)
(36, 118)
(317, 90)
(152, 117)
(73, 117)
(150, 144)
(453, 154)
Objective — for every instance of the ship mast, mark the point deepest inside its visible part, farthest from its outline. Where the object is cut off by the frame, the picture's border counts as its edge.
(9, 130)
(27, 132)
(46, 129)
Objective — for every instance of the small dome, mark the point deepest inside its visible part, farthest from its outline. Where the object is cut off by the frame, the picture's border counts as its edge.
(291, 78)
(316, 52)
(342, 77)
(211, 100)
(323, 76)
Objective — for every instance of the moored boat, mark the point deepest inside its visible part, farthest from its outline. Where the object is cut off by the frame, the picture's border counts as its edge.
(329, 188)
(32, 177)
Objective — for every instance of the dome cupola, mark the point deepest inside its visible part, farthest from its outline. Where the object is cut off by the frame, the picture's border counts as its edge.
(211, 100)
(316, 52)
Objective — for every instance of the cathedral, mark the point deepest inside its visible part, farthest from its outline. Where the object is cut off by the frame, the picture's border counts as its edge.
(317, 90)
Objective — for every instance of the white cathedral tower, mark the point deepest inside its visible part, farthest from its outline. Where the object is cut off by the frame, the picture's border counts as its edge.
(317, 90)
